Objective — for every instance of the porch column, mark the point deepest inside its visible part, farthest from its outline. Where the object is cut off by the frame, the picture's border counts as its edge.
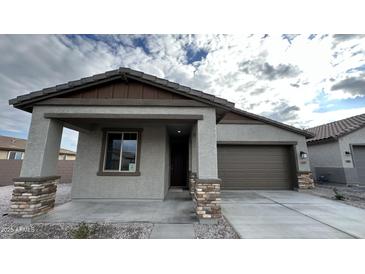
(207, 184)
(35, 190)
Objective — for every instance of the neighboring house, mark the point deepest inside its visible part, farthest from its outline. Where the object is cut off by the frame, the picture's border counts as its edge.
(140, 135)
(12, 153)
(337, 152)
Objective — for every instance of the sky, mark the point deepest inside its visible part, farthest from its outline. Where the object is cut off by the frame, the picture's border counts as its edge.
(301, 80)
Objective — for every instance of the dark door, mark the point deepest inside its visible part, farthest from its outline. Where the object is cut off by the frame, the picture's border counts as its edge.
(179, 149)
(255, 167)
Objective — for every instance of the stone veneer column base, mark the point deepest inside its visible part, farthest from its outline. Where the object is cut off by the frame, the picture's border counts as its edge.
(33, 196)
(207, 200)
(305, 180)
(192, 180)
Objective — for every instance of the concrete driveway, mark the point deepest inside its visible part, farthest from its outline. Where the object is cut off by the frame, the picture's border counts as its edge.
(290, 214)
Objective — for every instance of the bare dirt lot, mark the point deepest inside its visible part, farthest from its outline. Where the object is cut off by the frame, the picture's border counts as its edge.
(354, 195)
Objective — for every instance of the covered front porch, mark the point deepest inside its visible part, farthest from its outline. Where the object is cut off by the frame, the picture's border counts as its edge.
(173, 147)
(177, 208)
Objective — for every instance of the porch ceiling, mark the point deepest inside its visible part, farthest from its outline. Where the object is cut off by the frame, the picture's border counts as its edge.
(87, 122)
(179, 129)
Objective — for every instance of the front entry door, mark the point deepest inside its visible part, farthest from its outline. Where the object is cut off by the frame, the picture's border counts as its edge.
(179, 149)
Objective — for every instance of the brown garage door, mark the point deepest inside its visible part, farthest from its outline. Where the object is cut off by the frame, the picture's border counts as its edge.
(255, 167)
(359, 159)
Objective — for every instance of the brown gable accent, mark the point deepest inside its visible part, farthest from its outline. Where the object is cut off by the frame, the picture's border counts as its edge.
(124, 90)
(233, 118)
(105, 85)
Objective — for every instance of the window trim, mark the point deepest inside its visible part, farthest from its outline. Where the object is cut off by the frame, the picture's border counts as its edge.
(102, 171)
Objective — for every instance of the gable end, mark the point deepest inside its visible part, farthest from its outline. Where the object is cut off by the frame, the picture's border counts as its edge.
(123, 90)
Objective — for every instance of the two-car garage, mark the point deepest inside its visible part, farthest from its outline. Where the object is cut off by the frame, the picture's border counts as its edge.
(256, 153)
(256, 166)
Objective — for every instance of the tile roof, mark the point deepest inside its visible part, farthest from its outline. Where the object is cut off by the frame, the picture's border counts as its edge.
(332, 131)
(115, 74)
(24, 101)
(12, 143)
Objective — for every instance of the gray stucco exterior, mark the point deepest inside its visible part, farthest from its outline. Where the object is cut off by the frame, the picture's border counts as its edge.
(264, 133)
(332, 161)
(87, 184)
(154, 179)
(42, 147)
(153, 182)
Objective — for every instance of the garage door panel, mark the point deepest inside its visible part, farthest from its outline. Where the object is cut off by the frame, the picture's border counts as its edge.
(255, 167)
(256, 174)
(275, 162)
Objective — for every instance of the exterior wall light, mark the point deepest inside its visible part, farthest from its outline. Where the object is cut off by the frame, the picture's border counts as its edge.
(303, 155)
(347, 153)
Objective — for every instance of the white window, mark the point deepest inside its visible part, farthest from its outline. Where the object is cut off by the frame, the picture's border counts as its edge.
(15, 155)
(61, 157)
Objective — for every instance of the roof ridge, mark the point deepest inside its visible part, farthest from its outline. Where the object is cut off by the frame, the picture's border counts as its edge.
(120, 72)
(25, 101)
(12, 137)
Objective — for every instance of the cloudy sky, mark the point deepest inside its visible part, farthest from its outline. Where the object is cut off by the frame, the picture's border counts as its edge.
(301, 80)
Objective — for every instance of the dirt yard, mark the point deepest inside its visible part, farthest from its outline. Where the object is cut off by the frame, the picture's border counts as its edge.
(354, 195)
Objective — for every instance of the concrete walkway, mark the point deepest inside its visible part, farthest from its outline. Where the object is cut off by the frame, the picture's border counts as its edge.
(172, 231)
(173, 218)
(177, 208)
(290, 214)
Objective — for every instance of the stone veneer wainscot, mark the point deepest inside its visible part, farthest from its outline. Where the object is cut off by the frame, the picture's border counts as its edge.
(305, 180)
(207, 199)
(33, 196)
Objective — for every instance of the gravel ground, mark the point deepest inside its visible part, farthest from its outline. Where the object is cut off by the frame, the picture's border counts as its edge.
(222, 230)
(354, 196)
(10, 230)
(67, 231)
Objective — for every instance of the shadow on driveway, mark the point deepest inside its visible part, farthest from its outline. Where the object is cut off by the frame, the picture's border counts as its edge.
(290, 214)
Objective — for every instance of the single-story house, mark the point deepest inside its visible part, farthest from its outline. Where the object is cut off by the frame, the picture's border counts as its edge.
(140, 135)
(337, 152)
(11, 158)
(12, 148)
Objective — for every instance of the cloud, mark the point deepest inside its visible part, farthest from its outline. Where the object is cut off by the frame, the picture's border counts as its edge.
(273, 75)
(353, 85)
(283, 112)
(266, 71)
(347, 37)
(257, 91)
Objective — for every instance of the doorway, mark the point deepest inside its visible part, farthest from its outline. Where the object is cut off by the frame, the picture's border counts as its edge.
(179, 157)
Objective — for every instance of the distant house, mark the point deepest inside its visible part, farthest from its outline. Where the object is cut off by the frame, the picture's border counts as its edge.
(337, 152)
(12, 153)
(12, 148)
